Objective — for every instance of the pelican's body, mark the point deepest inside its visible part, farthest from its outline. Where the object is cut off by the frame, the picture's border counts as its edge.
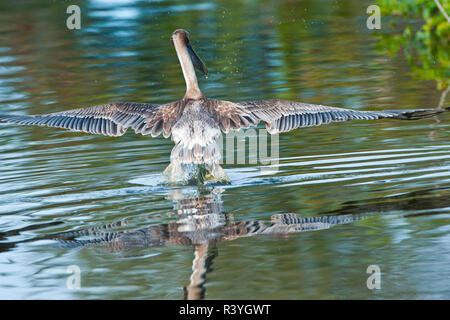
(196, 137)
(196, 122)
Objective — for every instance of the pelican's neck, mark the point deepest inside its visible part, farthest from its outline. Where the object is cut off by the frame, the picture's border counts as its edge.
(192, 89)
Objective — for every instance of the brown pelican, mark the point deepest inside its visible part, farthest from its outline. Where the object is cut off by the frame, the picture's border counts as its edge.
(195, 122)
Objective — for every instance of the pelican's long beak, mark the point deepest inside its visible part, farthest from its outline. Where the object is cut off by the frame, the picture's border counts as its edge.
(196, 61)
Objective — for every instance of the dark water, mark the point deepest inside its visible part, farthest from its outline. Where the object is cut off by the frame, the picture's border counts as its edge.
(364, 193)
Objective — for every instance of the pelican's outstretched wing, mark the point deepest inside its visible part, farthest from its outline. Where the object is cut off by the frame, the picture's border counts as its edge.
(108, 119)
(282, 115)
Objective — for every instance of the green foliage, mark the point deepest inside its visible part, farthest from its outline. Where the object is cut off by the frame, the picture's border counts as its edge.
(425, 38)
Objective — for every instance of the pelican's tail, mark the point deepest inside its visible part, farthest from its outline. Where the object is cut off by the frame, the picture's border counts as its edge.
(196, 153)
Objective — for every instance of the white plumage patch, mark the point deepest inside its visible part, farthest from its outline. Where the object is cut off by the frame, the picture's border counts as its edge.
(196, 137)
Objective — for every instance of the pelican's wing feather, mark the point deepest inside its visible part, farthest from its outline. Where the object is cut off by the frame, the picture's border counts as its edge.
(109, 119)
(282, 115)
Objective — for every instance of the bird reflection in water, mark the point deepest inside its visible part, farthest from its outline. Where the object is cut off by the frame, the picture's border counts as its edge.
(201, 223)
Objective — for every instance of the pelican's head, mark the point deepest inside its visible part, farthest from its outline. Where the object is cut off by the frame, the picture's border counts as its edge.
(180, 39)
